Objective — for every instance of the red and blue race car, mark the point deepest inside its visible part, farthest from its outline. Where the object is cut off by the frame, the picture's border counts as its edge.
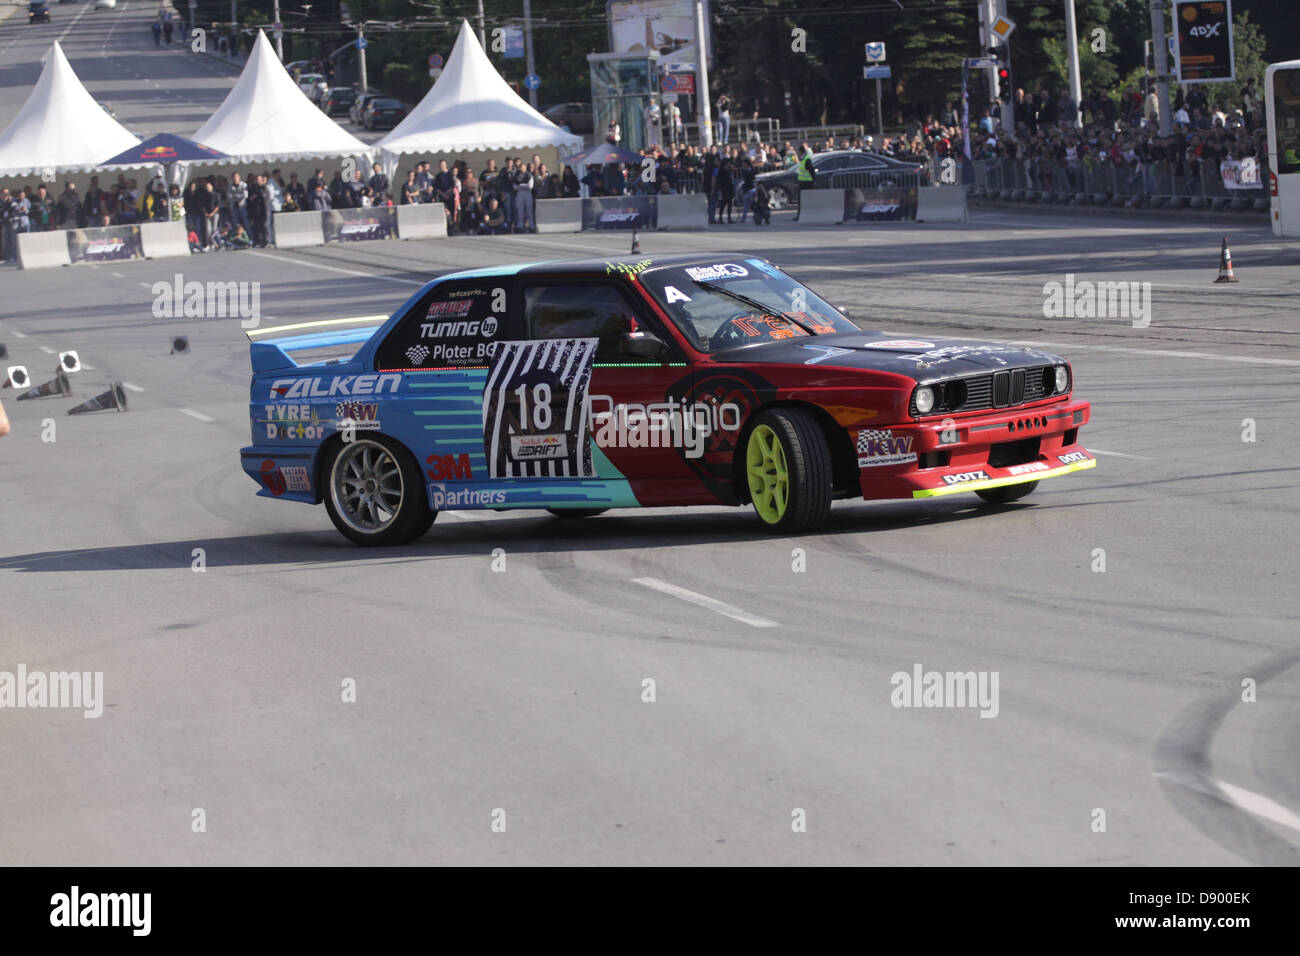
(580, 386)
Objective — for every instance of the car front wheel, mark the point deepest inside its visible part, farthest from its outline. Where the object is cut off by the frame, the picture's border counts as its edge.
(375, 494)
(788, 471)
(778, 198)
(1006, 493)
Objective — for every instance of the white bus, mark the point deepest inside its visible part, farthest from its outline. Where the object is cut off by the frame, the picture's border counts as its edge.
(1282, 105)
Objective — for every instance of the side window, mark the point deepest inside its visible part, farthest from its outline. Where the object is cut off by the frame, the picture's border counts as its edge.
(456, 326)
(594, 311)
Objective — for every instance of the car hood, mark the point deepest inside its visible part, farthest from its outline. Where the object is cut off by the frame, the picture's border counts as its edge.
(923, 359)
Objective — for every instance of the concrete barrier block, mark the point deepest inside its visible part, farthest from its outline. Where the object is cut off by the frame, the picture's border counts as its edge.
(294, 229)
(422, 221)
(558, 215)
(39, 250)
(821, 207)
(161, 240)
(685, 211)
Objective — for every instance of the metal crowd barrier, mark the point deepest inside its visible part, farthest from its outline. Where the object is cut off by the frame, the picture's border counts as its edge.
(1194, 184)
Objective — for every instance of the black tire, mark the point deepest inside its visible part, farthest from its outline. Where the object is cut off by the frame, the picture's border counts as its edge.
(365, 466)
(1004, 494)
(808, 470)
(571, 513)
(778, 197)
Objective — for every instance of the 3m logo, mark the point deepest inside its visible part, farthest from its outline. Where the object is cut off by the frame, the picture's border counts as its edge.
(449, 468)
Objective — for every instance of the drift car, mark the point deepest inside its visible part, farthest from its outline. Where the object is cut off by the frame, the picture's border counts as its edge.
(585, 385)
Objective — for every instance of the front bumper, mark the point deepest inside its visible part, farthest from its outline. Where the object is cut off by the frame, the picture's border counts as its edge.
(1006, 447)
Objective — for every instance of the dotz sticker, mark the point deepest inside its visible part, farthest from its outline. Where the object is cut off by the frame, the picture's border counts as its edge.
(899, 344)
(1073, 457)
(964, 477)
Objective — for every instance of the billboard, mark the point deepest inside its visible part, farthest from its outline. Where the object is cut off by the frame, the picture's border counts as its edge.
(356, 225)
(104, 244)
(619, 212)
(1203, 41)
(882, 204)
(670, 25)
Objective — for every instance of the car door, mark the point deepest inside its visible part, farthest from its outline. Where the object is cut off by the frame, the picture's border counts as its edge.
(572, 399)
(444, 348)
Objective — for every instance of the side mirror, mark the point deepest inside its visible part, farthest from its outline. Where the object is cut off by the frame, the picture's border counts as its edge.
(643, 345)
(842, 309)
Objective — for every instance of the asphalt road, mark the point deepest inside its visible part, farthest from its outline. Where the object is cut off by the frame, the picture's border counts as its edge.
(522, 690)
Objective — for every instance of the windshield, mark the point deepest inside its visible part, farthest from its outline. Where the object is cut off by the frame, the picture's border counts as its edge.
(726, 305)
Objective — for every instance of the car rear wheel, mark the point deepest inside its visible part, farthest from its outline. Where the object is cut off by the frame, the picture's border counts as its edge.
(788, 470)
(778, 198)
(374, 492)
(570, 513)
(1006, 493)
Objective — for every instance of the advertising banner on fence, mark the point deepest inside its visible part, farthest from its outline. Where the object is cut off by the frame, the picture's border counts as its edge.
(358, 225)
(1240, 173)
(1203, 41)
(104, 244)
(619, 212)
(880, 204)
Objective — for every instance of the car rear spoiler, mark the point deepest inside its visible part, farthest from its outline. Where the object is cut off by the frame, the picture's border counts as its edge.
(267, 354)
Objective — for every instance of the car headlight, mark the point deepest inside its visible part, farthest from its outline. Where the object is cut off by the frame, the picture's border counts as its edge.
(924, 399)
(1062, 378)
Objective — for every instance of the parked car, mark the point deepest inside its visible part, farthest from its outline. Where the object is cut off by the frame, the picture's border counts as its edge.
(851, 167)
(357, 111)
(383, 113)
(38, 11)
(296, 67)
(104, 4)
(576, 116)
(308, 82)
(338, 99)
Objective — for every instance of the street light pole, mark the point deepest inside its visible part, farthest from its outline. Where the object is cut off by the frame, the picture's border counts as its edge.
(1072, 47)
(528, 48)
(1161, 52)
(279, 33)
(482, 34)
(704, 113)
(361, 55)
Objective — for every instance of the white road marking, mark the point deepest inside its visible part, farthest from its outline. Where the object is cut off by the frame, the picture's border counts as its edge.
(118, 275)
(704, 601)
(458, 515)
(19, 335)
(1119, 454)
(134, 388)
(317, 265)
(47, 350)
(88, 368)
(1251, 802)
(193, 414)
(1159, 353)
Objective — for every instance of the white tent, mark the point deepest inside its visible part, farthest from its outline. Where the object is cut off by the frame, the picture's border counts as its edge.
(265, 117)
(60, 127)
(471, 107)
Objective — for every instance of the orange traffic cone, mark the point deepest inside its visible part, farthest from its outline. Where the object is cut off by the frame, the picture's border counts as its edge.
(16, 377)
(1225, 264)
(636, 243)
(115, 397)
(58, 385)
